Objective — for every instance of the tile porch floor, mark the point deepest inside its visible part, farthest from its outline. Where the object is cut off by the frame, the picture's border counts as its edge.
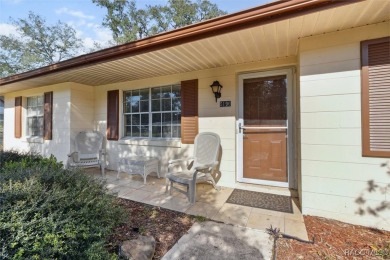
(209, 202)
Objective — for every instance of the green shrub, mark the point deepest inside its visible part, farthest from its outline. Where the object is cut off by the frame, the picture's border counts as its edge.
(47, 212)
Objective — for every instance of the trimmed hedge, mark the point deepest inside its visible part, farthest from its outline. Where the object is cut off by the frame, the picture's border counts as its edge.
(47, 212)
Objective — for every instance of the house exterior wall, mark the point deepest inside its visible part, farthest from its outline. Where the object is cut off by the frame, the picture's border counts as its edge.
(333, 171)
(211, 117)
(82, 110)
(73, 111)
(59, 145)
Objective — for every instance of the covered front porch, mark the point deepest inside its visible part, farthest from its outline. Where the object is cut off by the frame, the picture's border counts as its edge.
(210, 203)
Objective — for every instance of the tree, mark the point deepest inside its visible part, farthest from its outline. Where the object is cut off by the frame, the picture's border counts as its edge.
(37, 45)
(128, 23)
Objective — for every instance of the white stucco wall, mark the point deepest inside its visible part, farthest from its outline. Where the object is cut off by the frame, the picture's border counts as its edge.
(73, 111)
(334, 173)
(82, 110)
(61, 123)
(211, 117)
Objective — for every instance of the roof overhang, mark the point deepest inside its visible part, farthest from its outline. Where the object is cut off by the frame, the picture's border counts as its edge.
(266, 32)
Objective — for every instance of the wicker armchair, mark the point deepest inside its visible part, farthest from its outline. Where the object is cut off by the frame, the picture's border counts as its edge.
(89, 151)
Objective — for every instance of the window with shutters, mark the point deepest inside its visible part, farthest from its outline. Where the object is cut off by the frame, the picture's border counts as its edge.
(376, 97)
(153, 112)
(34, 116)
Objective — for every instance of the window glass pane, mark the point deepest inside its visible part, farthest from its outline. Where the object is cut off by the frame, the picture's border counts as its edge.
(156, 105)
(156, 93)
(166, 119)
(176, 104)
(156, 131)
(128, 131)
(156, 119)
(127, 96)
(145, 106)
(135, 104)
(40, 110)
(176, 118)
(40, 126)
(166, 105)
(31, 111)
(145, 131)
(166, 92)
(144, 94)
(176, 132)
(128, 120)
(40, 101)
(31, 101)
(126, 108)
(135, 119)
(144, 119)
(35, 116)
(141, 104)
(166, 131)
(176, 91)
(135, 131)
(29, 126)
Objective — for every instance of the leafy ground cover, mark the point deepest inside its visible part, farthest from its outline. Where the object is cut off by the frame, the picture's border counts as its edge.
(47, 212)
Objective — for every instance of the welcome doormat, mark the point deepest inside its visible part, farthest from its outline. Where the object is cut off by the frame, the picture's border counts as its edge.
(261, 200)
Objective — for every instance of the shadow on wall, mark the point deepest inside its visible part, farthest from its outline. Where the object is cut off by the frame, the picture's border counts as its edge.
(375, 188)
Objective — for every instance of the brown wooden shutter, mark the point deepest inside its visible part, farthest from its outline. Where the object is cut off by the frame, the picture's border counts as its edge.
(18, 117)
(376, 97)
(189, 111)
(48, 116)
(112, 115)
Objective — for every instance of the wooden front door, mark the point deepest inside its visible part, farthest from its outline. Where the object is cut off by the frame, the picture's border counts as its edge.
(263, 128)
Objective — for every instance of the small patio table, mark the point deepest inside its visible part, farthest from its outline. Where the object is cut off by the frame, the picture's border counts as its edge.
(142, 165)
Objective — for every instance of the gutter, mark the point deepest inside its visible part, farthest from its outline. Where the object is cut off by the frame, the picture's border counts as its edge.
(232, 22)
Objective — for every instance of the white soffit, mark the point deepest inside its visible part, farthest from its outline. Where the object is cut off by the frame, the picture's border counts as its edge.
(264, 42)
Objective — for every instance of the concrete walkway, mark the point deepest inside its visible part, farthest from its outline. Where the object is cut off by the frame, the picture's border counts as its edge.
(212, 240)
(243, 226)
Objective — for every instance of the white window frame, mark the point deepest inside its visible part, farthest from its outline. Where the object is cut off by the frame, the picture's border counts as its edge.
(150, 114)
(41, 115)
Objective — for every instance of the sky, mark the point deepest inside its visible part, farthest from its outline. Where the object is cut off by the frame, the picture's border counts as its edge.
(85, 17)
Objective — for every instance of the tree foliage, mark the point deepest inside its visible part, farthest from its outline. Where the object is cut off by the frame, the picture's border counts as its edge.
(129, 23)
(36, 44)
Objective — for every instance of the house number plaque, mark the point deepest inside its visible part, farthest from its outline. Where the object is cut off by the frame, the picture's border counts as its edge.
(225, 103)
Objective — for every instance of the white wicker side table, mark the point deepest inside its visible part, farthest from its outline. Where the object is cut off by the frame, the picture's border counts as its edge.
(141, 165)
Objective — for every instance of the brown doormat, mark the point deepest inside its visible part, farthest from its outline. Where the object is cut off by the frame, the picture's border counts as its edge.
(261, 200)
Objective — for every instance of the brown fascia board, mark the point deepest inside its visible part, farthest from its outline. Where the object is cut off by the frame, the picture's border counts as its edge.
(228, 23)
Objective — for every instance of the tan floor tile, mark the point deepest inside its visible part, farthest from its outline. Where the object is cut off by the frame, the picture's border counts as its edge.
(157, 199)
(214, 196)
(136, 195)
(178, 204)
(123, 190)
(295, 228)
(261, 221)
(204, 209)
(233, 214)
(153, 186)
(261, 211)
(296, 215)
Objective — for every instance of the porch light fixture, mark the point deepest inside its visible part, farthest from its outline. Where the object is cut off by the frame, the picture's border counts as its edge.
(216, 88)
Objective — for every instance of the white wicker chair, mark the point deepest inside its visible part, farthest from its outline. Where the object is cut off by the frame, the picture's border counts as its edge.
(89, 151)
(200, 168)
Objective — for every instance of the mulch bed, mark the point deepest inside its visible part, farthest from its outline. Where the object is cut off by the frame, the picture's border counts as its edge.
(166, 226)
(333, 239)
(336, 240)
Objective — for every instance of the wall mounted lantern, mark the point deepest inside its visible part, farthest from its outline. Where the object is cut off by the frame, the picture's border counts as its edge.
(216, 88)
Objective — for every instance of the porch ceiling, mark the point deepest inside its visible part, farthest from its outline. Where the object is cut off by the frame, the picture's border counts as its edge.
(263, 42)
